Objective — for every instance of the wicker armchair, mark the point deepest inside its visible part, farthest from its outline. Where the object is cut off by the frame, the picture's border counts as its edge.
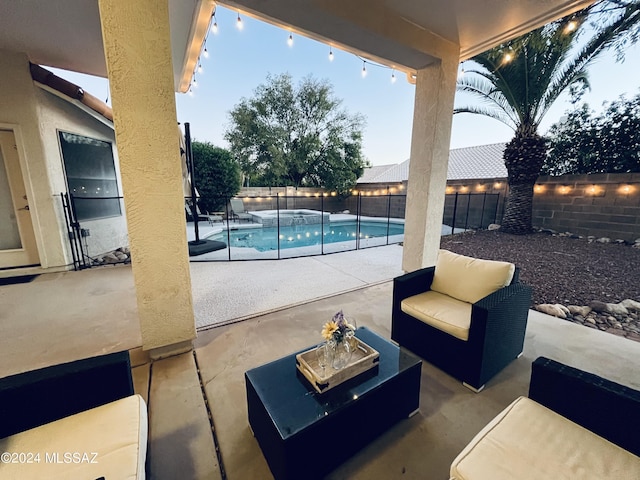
(495, 333)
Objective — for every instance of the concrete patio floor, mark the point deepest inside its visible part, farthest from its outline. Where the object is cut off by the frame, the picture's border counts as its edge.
(197, 407)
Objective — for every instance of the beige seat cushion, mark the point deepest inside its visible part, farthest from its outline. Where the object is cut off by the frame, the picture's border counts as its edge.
(527, 441)
(109, 441)
(469, 279)
(440, 311)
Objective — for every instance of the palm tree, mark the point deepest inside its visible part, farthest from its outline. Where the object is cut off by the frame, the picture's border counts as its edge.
(519, 81)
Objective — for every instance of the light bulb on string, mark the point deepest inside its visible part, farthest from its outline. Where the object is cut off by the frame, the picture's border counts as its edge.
(290, 40)
(239, 24)
(571, 26)
(393, 76)
(364, 69)
(190, 93)
(195, 82)
(330, 54)
(205, 53)
(214, 25)
(199, 67)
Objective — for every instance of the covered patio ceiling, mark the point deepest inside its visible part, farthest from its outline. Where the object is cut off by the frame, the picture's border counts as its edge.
(409, 34)
(406, 34)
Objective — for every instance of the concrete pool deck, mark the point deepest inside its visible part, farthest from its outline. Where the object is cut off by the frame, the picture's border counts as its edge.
(227, 292)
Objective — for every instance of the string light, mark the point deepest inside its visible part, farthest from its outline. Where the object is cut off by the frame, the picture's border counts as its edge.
(290, 40)
(199, 66)
(364, 69)
(239, 24)
(507, 57)
(330, 54)
(214, 27)
(195, 82)
(205, 53)
(393, 76)
(571, 26)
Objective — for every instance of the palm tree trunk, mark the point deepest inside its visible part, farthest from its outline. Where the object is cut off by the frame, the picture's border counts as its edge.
(523, 157)
(517, 218)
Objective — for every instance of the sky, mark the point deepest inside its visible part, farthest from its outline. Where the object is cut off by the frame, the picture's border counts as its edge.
(240, 60)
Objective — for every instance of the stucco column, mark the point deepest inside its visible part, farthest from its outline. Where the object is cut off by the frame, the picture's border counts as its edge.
(430, 138)
(138, 52)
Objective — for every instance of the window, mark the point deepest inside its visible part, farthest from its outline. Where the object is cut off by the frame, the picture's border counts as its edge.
(91, 176)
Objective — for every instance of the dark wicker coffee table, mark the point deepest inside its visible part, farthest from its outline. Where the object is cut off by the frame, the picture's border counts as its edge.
(304, 434)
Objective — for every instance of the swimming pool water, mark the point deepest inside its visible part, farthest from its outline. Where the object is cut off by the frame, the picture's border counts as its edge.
(295, 236)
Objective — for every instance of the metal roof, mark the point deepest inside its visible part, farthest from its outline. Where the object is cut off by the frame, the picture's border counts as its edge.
(482, 161)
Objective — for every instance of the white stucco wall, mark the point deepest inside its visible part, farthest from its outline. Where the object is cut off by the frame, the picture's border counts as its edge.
(57, 115)
(19, 112)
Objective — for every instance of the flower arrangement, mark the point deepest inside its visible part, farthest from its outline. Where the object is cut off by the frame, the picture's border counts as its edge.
(338, 328)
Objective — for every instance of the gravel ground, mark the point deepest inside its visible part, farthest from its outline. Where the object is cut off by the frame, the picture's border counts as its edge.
(564, 270)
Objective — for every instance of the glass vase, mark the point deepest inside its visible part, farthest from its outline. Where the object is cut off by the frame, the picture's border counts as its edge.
(341, 354)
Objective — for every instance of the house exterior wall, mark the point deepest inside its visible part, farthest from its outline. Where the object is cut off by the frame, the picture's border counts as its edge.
(19, 112)
(56, 115)
(36, 116)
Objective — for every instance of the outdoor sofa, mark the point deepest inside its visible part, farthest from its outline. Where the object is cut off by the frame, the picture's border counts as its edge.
(73, 420)
(466, 316)
(573, 425)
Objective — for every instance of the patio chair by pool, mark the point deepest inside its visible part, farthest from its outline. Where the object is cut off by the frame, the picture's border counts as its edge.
(212, 219)
(465, 316)
(238, 211)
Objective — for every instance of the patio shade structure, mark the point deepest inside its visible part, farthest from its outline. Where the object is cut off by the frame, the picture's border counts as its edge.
(149, 49)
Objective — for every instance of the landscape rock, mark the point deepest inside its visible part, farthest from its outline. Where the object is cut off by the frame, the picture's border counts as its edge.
(493, 226)
(110, 258)
(578, 310)
(630, 305)
(121, 256)
(604, 240)
(613, 308)
(556, 310)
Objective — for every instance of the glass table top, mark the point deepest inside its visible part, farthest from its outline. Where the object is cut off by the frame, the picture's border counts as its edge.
(293, 404)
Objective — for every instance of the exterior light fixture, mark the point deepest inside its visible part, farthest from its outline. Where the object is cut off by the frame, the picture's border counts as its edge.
(497, 185)
(449, 189)
(538, 188)
(564, 189)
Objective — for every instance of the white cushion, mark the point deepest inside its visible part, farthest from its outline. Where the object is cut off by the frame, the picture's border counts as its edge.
(440, 311)
(109, 441)
(469, 279)
(527, 441)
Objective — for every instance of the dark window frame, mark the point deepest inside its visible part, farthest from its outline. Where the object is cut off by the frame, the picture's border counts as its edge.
(91, 177)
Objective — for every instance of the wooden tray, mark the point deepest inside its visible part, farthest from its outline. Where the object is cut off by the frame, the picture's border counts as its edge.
(364, 358)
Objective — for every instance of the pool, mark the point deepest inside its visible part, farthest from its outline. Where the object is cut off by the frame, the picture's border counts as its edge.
(265, 239)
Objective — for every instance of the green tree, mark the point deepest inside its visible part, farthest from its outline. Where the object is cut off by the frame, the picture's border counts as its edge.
(298, 136)
(217, 175)
(519, 81)
(607, 143)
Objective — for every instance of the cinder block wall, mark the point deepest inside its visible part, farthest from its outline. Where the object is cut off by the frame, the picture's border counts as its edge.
(602, 205)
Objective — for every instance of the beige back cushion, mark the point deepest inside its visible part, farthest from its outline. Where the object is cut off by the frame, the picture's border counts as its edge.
(469, 279)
